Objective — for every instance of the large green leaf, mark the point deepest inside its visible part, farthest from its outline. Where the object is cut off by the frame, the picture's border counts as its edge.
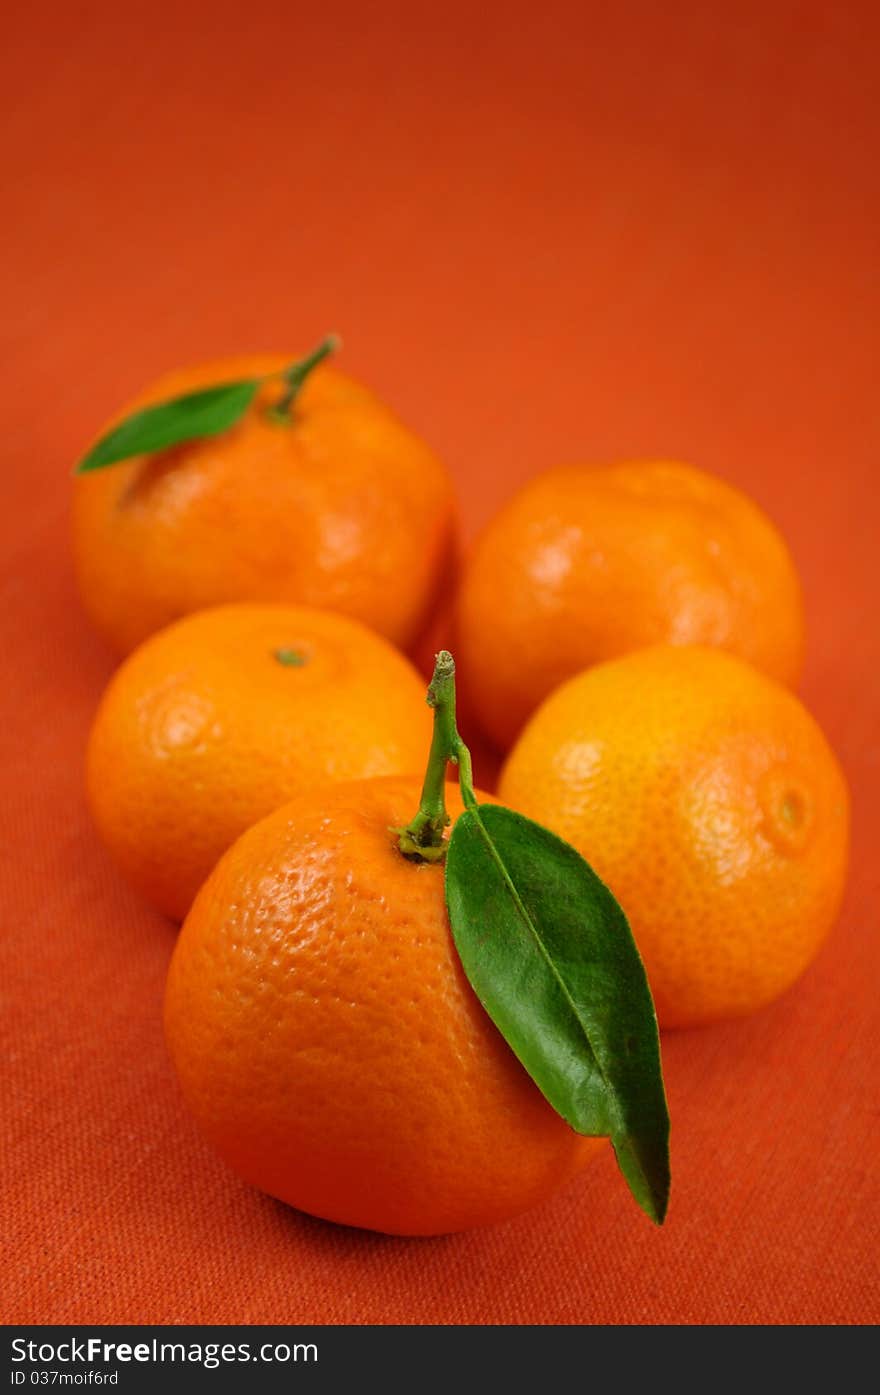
(203, 413)
(550, 955)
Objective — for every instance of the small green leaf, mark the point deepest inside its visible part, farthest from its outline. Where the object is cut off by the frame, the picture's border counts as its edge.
(549, 953)
(203, 413)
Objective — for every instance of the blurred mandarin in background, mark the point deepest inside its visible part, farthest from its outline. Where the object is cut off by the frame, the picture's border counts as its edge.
(335, 504)
(586, 563)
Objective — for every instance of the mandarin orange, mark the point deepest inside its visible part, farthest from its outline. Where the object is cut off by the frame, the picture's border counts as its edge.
(220, 718)
(328, 1042)
(340, 507)
(709, 800)
(583, 564)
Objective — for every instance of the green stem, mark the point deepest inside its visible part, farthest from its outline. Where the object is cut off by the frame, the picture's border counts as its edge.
(422, 840)
(296, 374)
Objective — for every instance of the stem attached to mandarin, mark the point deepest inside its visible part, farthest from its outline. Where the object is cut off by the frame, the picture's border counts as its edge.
(422, 840)
(295, 376)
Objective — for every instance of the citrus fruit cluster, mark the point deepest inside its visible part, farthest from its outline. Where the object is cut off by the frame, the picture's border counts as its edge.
(372, 1019)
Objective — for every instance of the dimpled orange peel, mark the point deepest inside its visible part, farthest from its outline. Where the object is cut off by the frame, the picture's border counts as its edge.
(707, 797)
(328, 1043)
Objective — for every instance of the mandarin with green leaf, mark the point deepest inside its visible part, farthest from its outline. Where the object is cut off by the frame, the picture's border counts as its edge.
(327, 1040)
(336, 1030)
(254, 479)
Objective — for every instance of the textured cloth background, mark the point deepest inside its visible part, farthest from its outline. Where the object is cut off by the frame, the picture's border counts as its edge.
(547, 234)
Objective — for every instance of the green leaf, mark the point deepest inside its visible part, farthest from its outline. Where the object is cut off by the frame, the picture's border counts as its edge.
(203, 413)
(550, 955)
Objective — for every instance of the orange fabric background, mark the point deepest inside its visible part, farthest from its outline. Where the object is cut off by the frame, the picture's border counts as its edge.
(547, 233)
